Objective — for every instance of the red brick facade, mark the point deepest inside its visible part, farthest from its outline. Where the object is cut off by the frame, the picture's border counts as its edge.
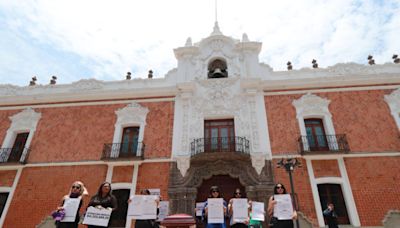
(122, 174)
(375, 183)
(326, 168)
(41, 189)
(7, 178)
(154, 175)
(73, 134)
(365, 118)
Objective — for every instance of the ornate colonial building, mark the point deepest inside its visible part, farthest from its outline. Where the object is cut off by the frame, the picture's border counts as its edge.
(219, 118)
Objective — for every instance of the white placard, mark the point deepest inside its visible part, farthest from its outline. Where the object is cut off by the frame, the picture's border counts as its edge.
(143, 207)
(240, 210)
(215, 210)
(154, 191)
(283, 208)
(97, 216)
(164, 210)
(199, 209)
(70, 206)
(257, 211)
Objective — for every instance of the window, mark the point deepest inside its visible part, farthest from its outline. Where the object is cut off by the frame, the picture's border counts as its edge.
(19, 136)
(219, 135)
(3, 200)
(217, 69)
(332, 193)
(18, 147)
(118, 217)
(316, 135)
(129, 143)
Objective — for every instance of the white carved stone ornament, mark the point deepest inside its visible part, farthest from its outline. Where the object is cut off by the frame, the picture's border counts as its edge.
(132, 113)
(87, 84)
(258, 161)
(183, 163)
(394, 101)
(27, 119)
(311, 104)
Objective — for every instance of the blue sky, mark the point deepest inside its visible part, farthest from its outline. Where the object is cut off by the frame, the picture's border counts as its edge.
(104, 39)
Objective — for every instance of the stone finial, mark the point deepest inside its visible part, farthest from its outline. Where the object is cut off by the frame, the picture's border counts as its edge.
(128, 76)
(314, 63)
(245, 38)
(150, 75)
(53, 80)
(289, 65)
(396, 58)
(188, 42)
(216, 30)
(33, 81)
(371, 60)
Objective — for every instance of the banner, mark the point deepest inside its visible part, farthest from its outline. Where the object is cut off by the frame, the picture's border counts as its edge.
(143, 207)
(97, 217)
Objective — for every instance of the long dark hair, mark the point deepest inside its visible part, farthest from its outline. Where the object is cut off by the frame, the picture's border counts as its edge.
(100, 191)
(276, 188)
(238, 190)
(214, 189)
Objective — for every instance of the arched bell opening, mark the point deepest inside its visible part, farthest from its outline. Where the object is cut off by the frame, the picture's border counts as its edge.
(217, 69)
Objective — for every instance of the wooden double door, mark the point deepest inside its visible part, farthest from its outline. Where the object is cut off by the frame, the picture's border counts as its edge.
(219, 135)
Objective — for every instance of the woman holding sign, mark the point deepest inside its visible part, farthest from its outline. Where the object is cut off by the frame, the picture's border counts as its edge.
(280, 208)
(147, 223)
(71, 204)
(212, 209)
(103, 200)
(238, 209)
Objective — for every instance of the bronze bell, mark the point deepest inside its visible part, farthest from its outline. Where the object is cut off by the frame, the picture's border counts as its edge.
(218, 73)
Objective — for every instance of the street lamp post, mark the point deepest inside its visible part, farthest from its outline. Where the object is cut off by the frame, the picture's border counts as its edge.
(289, 164)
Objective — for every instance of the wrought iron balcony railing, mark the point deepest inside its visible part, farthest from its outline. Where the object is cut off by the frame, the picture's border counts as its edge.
(323, 143)
(14, 155)
(220, 144)
(123, 150)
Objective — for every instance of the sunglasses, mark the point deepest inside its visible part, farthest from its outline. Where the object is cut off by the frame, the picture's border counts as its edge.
(238, 193)
(279, 187)
(76, 187)
(215, 191)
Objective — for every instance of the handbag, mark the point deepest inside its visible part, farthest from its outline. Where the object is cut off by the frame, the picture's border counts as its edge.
(273, 221)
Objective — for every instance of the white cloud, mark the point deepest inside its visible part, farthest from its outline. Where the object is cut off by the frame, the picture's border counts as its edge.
(103, 39)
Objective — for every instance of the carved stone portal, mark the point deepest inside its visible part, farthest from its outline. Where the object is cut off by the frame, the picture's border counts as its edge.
(183, 189)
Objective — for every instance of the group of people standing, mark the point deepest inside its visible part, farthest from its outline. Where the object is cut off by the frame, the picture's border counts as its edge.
(102, 199)
(249, 222)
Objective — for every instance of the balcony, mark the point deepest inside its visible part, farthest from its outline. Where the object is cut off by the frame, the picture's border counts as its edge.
(14, 155)
(123, 151)
(220, 144)
(321, 144)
